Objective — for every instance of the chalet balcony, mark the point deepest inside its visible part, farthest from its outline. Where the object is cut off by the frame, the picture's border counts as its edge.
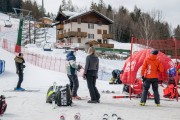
(107, 36)
(106, 45)
(60, 27)
(75, 34)
(60, 36)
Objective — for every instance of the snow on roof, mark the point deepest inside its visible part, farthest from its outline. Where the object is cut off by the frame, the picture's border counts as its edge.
(75, 14)
(48, 18)
(69, 13)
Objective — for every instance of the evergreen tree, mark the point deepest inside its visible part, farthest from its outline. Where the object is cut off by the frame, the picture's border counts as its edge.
(177, 32)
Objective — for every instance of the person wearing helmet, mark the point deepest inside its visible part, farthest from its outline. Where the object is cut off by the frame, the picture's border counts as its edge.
(149, 72)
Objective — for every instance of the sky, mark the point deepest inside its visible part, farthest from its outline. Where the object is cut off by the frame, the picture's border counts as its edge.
(170, 9)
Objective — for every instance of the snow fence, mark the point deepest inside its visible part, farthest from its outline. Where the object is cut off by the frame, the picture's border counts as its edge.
(50, 62)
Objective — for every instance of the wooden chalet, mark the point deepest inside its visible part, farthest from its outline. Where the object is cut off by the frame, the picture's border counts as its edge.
(83, 27)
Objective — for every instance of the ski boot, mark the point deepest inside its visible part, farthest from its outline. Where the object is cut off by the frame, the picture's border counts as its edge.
(105, 117)
(77, 116)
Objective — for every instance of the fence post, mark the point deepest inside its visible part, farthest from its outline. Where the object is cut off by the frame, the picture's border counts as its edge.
(60, 65)
(50, 63)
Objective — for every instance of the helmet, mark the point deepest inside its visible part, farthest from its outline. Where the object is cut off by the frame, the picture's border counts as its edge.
(154, 52)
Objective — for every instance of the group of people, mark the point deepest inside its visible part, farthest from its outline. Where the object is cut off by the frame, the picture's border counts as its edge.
(149, 72)
(90, 74)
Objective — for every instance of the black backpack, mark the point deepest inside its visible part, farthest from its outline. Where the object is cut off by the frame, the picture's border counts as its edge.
(3, 104)
(63, 96)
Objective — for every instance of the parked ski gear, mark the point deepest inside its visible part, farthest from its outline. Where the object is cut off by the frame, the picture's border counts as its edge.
(29, 90)
(62, 117)
(77, 116)
(3, 104)
(105, 117)
(63, 96)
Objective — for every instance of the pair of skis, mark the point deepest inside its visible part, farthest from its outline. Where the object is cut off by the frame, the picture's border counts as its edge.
(114, 116)
(77, 116)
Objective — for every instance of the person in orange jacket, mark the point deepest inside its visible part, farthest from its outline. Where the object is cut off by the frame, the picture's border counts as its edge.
(149, 72)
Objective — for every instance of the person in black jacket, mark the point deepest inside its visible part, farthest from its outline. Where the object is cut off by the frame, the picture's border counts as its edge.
(91, 74)
(19, 62)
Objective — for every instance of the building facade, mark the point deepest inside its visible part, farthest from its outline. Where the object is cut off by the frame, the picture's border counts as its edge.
(81, 28)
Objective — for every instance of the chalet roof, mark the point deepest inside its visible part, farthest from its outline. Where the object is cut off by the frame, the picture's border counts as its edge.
(72, 15)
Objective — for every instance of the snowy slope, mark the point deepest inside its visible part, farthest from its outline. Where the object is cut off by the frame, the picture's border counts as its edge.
(32, 106)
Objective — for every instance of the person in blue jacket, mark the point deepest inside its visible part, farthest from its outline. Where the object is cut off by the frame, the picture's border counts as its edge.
(72, 67)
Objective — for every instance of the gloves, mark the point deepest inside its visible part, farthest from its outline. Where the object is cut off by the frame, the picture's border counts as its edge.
(84, 76)
(143, 79)
(79, 67)
(24, 66)
(17, 71)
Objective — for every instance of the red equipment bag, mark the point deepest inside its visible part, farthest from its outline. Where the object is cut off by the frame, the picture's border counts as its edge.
(3, 105)
(169, 91)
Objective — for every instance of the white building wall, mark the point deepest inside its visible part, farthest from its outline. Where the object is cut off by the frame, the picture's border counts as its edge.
(84, 28)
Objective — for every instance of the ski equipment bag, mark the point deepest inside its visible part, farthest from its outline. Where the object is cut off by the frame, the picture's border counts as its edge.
(50, 95)
(63, 96)
(169, 91)
(3, 104)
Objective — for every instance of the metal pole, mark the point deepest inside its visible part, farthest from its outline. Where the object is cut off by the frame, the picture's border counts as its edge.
(42, 8)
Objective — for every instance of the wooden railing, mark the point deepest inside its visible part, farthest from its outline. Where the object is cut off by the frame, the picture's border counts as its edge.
(60, 36)
(75, 34)
(106, 45)
(60, 27)
(107, 36)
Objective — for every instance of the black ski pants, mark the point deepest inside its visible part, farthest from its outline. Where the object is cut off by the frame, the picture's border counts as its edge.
(91, 83)
(74, 84)
(146, 86)
(20, 74)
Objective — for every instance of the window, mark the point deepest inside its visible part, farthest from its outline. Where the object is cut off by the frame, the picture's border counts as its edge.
(104, 31)
(99, 41)
(98, 31)
(91, 36)
(91, 26)
(79, 29)
(105, 41)
(69, 30)
(79, 20)
(79, 40)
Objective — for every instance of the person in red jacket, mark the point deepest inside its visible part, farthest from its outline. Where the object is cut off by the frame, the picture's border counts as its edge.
(149, 72)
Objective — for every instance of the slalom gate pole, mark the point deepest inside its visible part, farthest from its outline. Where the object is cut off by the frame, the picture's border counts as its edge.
(123, 96)
(176, 78)
(132, 40)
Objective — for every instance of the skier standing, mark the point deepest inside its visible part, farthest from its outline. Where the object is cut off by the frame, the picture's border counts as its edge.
(150, 69)
(19, 62)
(72, 69)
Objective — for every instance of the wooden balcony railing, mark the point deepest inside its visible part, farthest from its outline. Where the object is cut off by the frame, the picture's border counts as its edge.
(106, 45)
(75, 34)
(60, 27)
(60, 36)
(107, 36)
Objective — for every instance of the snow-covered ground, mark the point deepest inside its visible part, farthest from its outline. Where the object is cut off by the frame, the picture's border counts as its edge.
(33, 106)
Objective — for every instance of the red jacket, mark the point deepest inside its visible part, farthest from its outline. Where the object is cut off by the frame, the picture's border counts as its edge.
(151, 67)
